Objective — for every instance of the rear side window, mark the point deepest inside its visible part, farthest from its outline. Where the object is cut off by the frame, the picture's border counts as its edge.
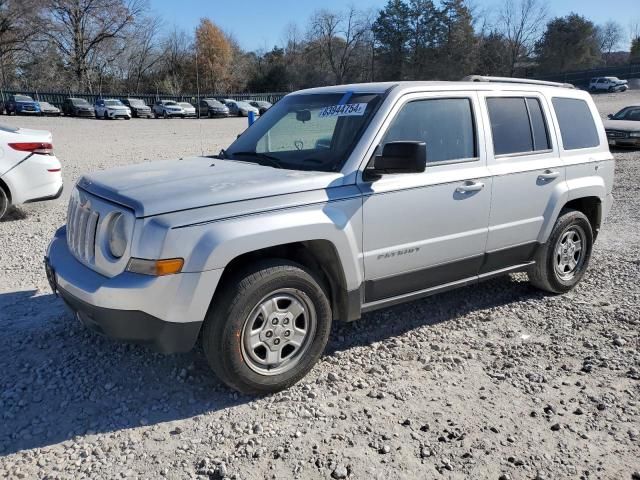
(517, 125)
(577, 127)
(446, 125)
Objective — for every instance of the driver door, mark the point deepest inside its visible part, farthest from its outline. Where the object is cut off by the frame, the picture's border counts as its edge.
(423, 231)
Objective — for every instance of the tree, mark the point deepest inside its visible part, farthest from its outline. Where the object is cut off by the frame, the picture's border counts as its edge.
(214, 53)
(569, 43)
(494, 55)
(142, 52)
(80, 28)
(609, 37)
(520, 22)
(19, 24)
(427, 36)
(338, 36)
(634, 57)
(457, 57)
(391, 32)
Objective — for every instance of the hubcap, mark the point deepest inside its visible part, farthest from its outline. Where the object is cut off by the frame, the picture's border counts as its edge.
(278, 331)
(569, 252)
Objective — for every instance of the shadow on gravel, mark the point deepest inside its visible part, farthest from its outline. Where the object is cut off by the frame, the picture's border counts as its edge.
(13, 214)
(443, 307)
(59, 380)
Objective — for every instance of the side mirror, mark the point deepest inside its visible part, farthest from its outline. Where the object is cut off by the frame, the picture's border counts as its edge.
(303, 115)
(610, 115)
(401, 157)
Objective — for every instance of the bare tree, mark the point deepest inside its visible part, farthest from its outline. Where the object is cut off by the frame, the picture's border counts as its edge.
(609, 36)
(338, 36)
(79, 28)
(142, 52)
(19, 24)
(520, 22)
(634, 29)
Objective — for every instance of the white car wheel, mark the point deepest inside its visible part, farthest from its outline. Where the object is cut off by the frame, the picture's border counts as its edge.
(4, 203)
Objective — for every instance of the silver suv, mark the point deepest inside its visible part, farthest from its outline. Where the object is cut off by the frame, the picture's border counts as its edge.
(340, 201)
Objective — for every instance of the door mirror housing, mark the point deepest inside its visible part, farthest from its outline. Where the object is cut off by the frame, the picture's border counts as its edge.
(401, 157)
(610, 115)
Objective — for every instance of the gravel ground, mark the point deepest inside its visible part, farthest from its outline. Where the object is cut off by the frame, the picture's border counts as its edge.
(493, 381)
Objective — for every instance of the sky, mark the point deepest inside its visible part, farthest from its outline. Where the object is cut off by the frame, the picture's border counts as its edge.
(260, 24)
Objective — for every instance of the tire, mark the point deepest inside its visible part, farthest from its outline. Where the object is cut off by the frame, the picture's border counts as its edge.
(164, 115)
(547, 273)
(105, 116)
(284, 288)
(4, 203)
(209, 114)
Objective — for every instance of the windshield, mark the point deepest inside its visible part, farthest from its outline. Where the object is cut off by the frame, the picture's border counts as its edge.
(214, 103)
(185, 105)
(171, 103)
(629, 113)
(307, 132)
(79, 101)
(23, 98)
(113, 103)
(136, 103)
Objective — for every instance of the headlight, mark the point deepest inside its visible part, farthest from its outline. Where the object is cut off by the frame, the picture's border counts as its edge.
(117, 235)
(635, 134)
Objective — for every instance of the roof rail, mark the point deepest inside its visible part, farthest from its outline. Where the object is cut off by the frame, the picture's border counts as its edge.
(482, 78)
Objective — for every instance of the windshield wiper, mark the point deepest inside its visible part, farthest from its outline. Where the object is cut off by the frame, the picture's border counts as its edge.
(271, 160)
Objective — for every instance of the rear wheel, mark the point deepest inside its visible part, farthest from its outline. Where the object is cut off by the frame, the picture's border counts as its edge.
(267, 327)
(4, 203)
(164, 114)
(563, 260)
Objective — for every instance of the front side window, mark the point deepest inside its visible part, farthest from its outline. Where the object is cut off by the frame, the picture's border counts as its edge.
(446, 125)
(307, 132)
(517, 125)
(577, 128)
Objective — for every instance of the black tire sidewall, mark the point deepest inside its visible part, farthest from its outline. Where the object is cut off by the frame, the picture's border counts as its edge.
(228, 317)
(4, 203)
(564, 222)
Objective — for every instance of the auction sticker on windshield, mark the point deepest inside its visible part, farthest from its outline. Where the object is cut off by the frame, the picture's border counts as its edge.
(347, 110)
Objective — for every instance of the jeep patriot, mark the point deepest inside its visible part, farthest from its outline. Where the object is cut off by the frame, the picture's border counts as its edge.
(338, 201)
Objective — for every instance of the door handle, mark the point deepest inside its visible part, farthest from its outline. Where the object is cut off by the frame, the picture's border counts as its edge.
(549, 175)
(470, 186)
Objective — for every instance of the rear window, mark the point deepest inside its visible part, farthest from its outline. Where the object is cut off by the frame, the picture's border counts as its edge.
(517, 125)
(577, 127)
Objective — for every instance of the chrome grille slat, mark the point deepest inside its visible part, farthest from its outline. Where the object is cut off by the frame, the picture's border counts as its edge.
(82, 224)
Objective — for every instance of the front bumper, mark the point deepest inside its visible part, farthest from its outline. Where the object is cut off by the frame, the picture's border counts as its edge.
(624, 142)
(118, 114)
(163, 312)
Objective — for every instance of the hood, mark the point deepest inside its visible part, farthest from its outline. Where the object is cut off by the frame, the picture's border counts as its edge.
(154, 188)
(624, 125)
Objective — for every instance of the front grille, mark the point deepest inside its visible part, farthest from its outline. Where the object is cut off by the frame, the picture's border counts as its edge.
(81, 230)
(616, 134)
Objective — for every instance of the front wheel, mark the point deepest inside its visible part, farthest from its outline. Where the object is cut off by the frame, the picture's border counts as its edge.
(267, 328)
(563, 260)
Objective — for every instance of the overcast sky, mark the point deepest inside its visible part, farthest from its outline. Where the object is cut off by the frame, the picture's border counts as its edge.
(259, 24)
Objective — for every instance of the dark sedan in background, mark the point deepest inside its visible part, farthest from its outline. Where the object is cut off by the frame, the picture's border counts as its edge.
(78, 107)
(261, 105)
(210, 107)
(138, 108)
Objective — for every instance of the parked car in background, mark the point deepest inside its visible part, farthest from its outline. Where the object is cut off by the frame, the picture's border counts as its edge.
(261, 105)
(608, 84)
(138, 108)
(47, 109)
(189, 110)
(77, 107)
(623, 128)
(167, 109)
(111, 109)
(241, 109)
(210, 107)
(29, 171)
(21, 104)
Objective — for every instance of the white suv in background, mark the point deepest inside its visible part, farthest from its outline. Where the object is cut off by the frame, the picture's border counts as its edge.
(608, 84)
(340, 201)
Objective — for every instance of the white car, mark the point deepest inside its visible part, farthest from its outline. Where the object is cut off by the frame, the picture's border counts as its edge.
(111, 108)
(608, 84)
(189, 110)
(29, 171)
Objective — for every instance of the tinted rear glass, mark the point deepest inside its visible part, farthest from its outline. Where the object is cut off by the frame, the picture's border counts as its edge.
(538, 126)
(577, 127)
(509, 125)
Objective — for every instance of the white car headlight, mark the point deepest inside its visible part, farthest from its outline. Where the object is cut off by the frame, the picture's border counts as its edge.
(117, 235)
(634, 134)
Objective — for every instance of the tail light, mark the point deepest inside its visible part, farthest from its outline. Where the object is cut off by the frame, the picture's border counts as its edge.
(33, 147)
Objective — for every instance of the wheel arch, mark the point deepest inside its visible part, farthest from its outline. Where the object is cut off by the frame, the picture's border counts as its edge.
(320, 256)
(591, 206)
(6, 189)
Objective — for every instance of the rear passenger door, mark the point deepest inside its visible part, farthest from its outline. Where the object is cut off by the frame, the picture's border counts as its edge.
(527, 170)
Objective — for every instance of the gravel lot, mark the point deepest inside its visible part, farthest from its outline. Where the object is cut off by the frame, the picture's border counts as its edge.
(493, 381)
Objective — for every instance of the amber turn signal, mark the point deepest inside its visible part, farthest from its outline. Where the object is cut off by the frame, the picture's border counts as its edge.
(156, 268)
